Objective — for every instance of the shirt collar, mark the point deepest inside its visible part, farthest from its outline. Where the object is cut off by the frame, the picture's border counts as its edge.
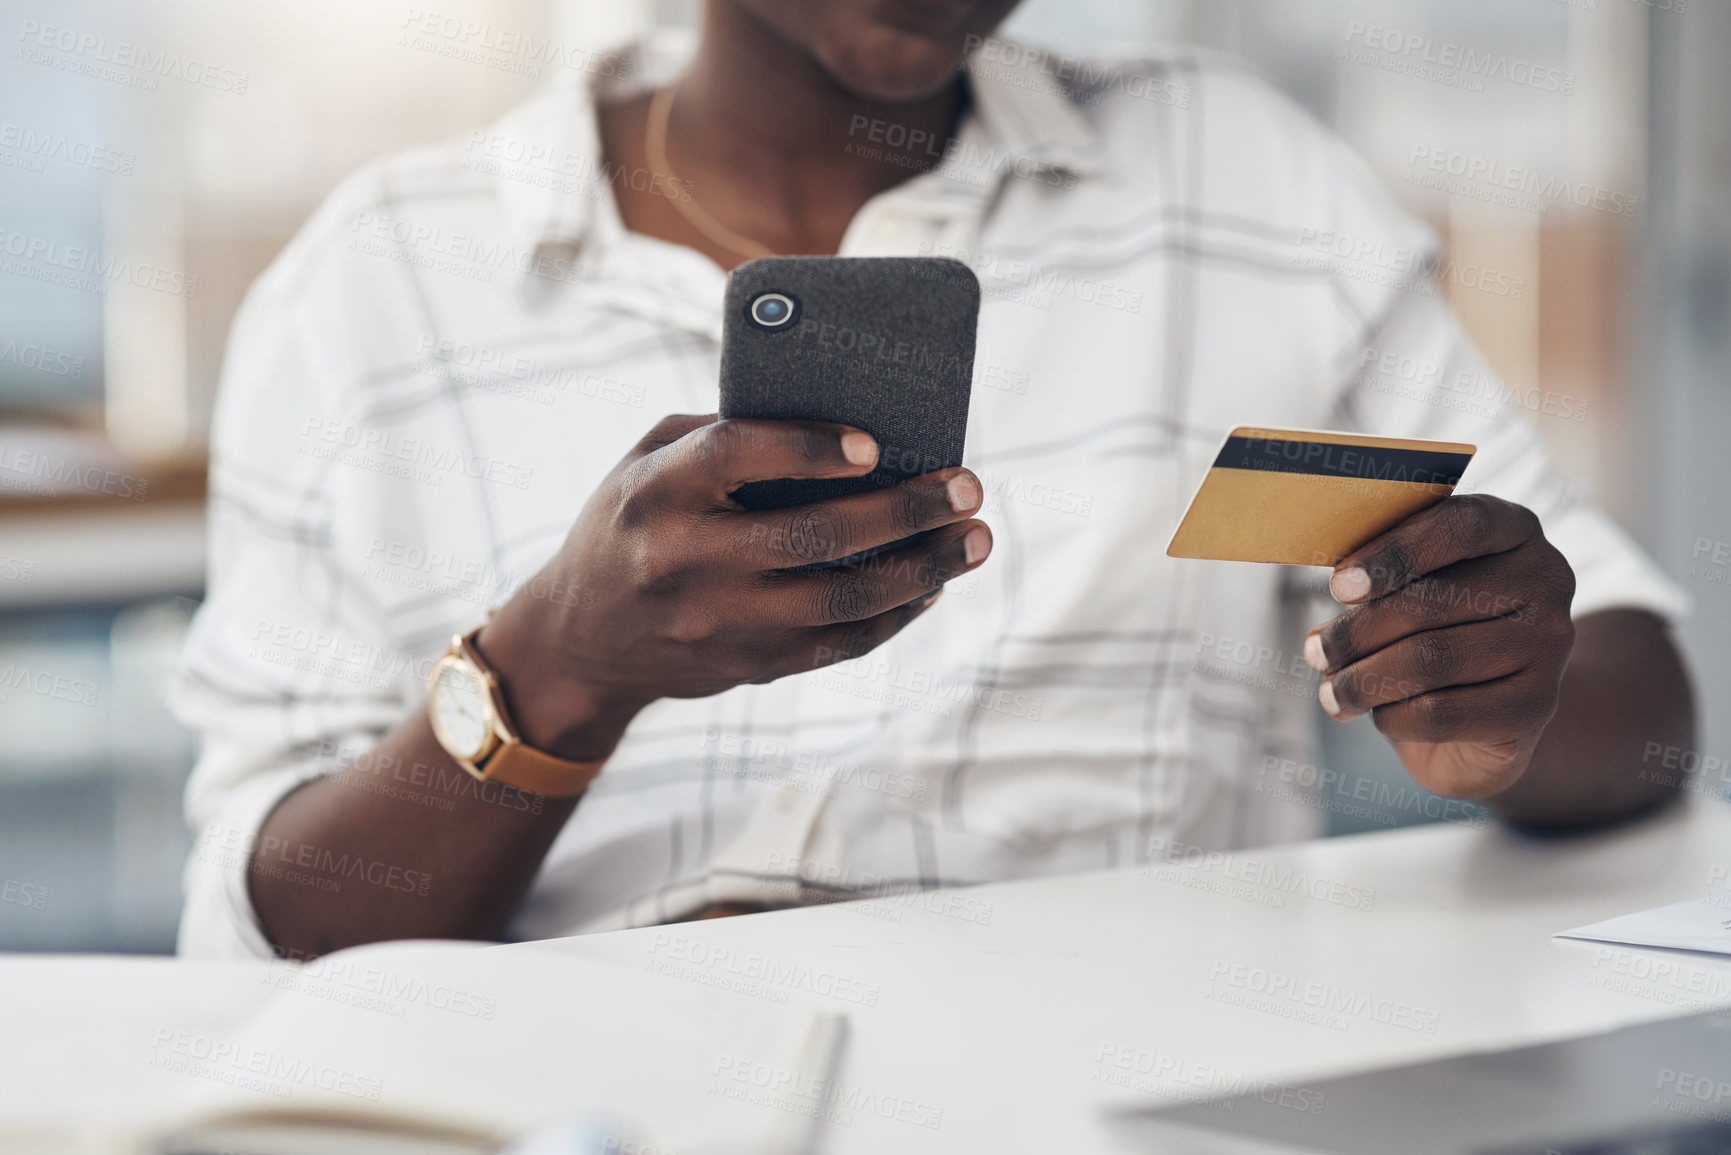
(546, 154)
(1032, 125)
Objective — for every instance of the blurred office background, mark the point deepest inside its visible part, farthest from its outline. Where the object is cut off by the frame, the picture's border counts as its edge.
(192, 180)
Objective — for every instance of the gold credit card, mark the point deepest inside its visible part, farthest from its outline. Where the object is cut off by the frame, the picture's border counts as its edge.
(1304, 497)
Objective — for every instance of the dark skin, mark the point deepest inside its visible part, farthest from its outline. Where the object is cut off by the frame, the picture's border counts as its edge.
(787, 180)
(688, 594)
(1457, 640)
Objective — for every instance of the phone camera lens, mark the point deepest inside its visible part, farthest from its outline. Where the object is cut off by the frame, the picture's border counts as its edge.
(772, 310)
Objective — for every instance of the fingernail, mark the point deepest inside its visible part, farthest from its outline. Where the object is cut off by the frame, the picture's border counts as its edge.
(963, 492)
(925, 600)
(1330, 706)
(1313, 655)
(859, 448)
(976, 546)
(1350, 585)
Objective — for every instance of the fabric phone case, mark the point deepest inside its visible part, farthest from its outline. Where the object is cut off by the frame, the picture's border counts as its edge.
(885, 344)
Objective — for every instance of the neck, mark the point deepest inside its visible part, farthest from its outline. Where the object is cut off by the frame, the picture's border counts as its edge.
(764, 133)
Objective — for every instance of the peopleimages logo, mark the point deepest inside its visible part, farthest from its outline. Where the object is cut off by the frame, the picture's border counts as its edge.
(803, 1093)
(41, 359)
(920, 360)
(41, 145)
(372, 987)
(1087, 80)
(1166, 855)
(1320, 788)
(1461, 173)
(871, 138)
(506, 49)
(1024, 282)
(268, 854)
(791, 766)
(421, 460)
(268, 1072)
(75, 267)
(46, 684)
(23, 894)
(1324, 1004)
(1398, 266)
(747, 971)
(119, 60)
(46, 475)
(1463, 62)
(1710, 561)
(496, 370)
(466, 255)
(1137, 1068)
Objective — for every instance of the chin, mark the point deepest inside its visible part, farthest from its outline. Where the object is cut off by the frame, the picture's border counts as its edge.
(887, 51)
(890, 66)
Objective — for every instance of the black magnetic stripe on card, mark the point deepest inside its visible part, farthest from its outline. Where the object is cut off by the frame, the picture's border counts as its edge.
(1364, 462)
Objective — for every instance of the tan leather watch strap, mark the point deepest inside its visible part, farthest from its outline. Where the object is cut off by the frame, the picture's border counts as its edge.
(528, 769)
(522, 766)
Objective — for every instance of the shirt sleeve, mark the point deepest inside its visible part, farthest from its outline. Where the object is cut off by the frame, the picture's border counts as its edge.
(1418, 375)
(283, 665)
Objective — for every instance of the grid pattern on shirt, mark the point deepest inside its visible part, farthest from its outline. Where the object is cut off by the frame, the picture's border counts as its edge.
(423, 390)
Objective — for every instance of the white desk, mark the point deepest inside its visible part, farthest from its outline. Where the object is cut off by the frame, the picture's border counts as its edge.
(1014, 1026)
(1003, 1025)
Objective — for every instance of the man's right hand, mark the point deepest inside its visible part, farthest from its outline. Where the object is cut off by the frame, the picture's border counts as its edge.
(670, 589)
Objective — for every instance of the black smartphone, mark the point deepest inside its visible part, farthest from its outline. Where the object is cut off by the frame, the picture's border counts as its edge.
(885, 344)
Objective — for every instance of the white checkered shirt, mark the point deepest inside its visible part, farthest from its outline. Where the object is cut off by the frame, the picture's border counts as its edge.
(425, 387)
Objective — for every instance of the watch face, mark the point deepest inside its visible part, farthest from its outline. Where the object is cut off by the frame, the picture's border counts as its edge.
(458, 708)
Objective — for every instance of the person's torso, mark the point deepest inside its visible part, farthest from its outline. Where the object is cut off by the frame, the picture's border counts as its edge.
(1079, 699)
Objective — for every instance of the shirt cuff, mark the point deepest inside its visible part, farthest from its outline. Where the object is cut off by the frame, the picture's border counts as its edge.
(1611, 571)
(218, 921)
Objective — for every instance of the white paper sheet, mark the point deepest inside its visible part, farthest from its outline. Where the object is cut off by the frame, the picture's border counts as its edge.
(1702, 925)
(498, 1040)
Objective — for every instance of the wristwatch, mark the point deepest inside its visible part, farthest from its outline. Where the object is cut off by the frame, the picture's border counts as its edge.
(470, 722)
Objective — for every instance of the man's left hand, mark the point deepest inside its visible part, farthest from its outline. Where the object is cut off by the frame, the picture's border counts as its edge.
(1455, 641)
